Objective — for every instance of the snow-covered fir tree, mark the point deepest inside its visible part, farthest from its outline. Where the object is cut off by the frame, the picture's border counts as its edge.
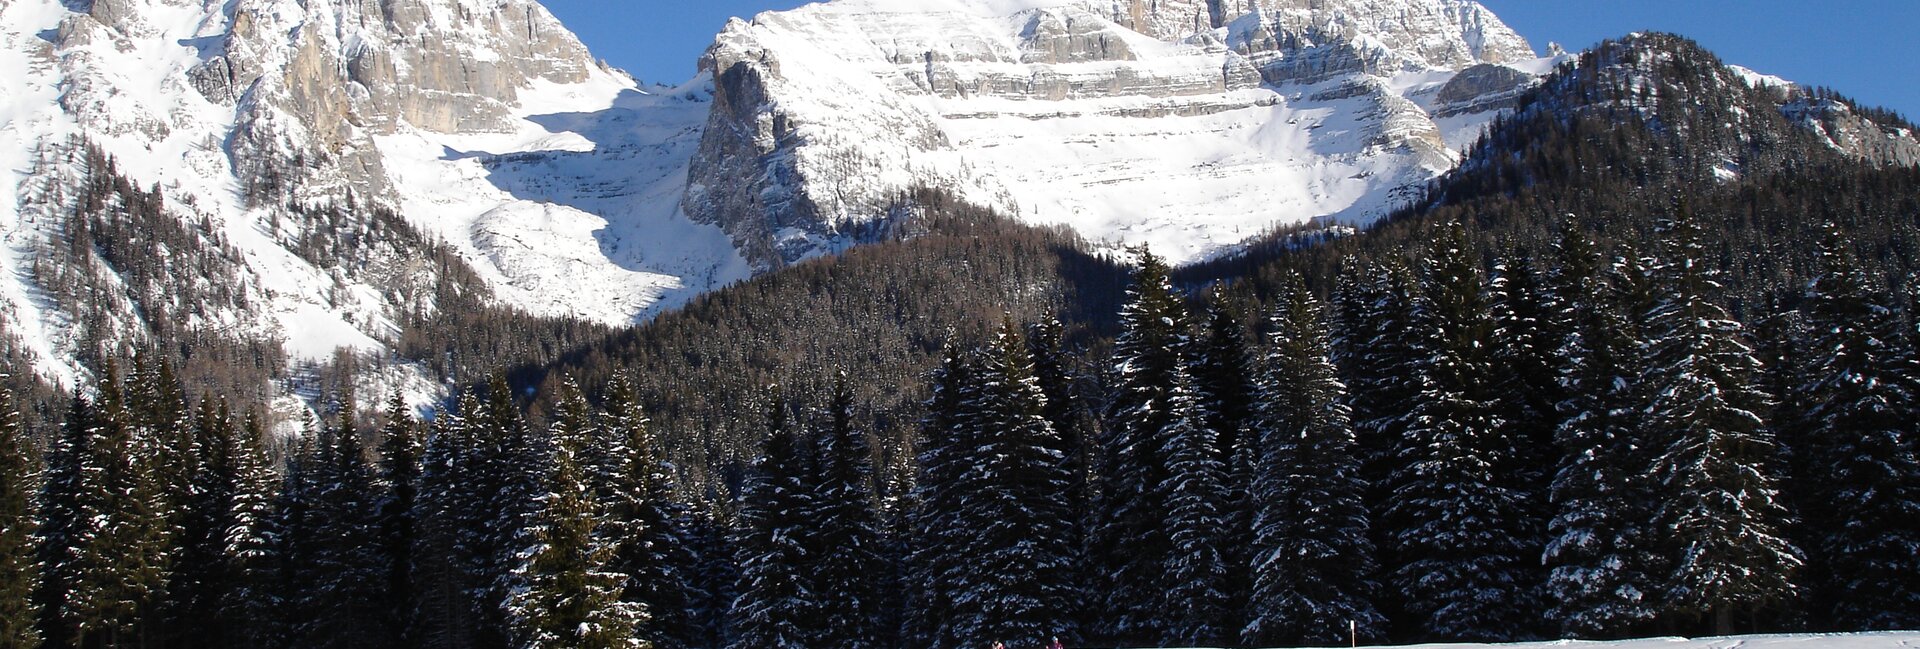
(847, 576)
(937, 531)
(1014, 584)
(1860, 478)
(1223, 372)
(247, 598)
(449, 516)
(1130, 537)
(1463, 550)
(115, 573)
(19, 528)
(1199, 520)
(1312, 558)
(61, 494)
(647, 528)
(398, 493)
(564, 596)
(773, 608)
(348, 598)
(1598, 553)
(1720, 516)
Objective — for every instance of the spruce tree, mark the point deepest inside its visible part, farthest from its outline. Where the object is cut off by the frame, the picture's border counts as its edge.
(947, 437)
(846, 579)
(1198, 522)
(1131, 540)
(1719, 512)
(118, 556)
(1463, 542)
(1312, 555)
(19, 545)
(1861, 480)
(448, 546)
(246, 597)
(1073, 422)
(397, 490)
(773, 609)
(65, 488)
(1223, 372)
(1015, 585)
(1598, 552)
(197, 581)
(648, 529)
(564, 595)
(349, 560)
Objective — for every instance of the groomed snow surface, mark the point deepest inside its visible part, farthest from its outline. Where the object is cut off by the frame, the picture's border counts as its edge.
(1881, 640)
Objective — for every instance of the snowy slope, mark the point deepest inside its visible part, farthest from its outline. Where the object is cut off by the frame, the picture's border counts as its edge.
(1885, 640)
(1160, 125)
(483, 122)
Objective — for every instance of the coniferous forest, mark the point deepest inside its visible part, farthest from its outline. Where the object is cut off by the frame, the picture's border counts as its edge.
(1579, 444)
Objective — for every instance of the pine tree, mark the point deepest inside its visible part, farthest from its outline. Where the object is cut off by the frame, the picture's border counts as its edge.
(508, 465)
(1377, 352)
(1071, 417)
(1131, 541)
(649, 531)
(1862, 480)
(1719, 511)
(65, 488)
(1015, 583)
(773, 609)
(564, 595)
(197, 581)
(1598, 551)
(1312, 558)
(1462, 546)
(19, 549)
(846, 577)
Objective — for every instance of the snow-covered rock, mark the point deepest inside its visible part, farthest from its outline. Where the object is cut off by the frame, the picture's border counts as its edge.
(1190, 125)
(485, 123)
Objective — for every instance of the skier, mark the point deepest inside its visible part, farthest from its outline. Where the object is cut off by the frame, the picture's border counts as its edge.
(997, 645)
(1056, 644)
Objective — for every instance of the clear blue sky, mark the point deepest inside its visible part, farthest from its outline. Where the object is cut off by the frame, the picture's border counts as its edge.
(1866, 49)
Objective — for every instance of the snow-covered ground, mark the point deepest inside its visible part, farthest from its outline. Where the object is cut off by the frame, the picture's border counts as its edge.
(1882, 640)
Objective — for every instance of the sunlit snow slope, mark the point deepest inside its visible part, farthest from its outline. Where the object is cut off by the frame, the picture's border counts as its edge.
(484, 123)
(1157, 123)
(1886, 640)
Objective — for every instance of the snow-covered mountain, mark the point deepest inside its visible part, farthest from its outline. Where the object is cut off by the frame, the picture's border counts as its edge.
(1190, 125)
(485, 123)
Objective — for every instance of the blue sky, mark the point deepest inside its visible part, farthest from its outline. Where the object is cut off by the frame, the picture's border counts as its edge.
(1866, 49)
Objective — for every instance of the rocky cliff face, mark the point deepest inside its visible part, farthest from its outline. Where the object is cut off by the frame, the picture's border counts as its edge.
(484, 122)
(1187, 124)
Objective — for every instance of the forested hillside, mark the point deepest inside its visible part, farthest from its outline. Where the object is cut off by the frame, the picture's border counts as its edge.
(1648, 363)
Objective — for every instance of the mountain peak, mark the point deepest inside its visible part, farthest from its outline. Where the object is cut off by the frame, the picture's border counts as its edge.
(1188, 124)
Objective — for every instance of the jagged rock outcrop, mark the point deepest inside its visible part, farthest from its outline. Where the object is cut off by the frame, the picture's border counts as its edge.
(1884, 142)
